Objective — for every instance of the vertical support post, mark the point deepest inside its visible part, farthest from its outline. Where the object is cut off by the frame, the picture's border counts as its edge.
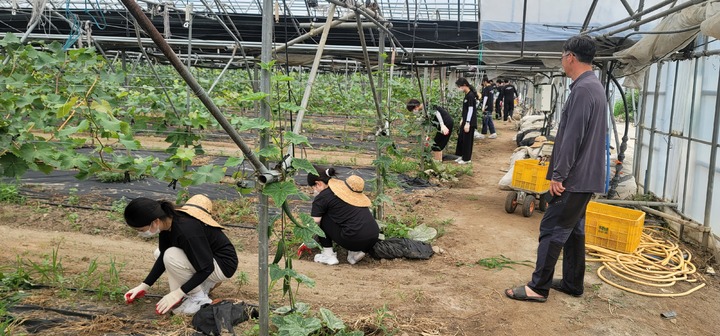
(443, 86)
(712, 167)
(695, 98)
(188, 16)
(313, 70)
(380, 210)
(639, 130)
(380, 118)
(653, 122)
(123, 60)
(672, 116)
(381, 69)
(263, 225)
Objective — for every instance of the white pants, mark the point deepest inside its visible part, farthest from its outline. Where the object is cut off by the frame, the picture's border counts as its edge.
(180, 270)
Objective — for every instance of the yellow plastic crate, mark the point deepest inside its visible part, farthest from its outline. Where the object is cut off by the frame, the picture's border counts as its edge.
(530, 175)
(613, 227)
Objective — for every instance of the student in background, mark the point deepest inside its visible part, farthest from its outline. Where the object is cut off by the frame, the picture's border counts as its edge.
(468, 123)
(441, 119)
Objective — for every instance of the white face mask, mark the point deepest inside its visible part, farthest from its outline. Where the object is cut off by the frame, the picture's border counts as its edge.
(149, 233)
(315, 192)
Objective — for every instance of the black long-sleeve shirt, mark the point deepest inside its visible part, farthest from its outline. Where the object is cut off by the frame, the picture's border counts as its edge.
(578, 155)
(469, 104)
(201, 243)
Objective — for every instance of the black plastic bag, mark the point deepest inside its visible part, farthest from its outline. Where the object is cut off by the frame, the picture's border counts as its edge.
(211, 319)
(392, 248)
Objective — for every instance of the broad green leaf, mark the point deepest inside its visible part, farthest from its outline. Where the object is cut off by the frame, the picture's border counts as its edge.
(283, 78)
(254, 96)
(382, 199)
(32, 151)
(331, 321)
(384, 141)
(65, 108)
(9, 38)
(304, 165)
(131, 144)
(233, 161)
(25, 100)
(279, 191)
(422, 233)
(296, 138)
(252, 123)
(304, 279)
(184, 154)
(265, 66)
(296, 325)
(289, 106)
(12, 166)
(67, 131)
(270, 152)
(207, 174)
(300, 308)
(103, 106)
(383, 161)
(276, 273)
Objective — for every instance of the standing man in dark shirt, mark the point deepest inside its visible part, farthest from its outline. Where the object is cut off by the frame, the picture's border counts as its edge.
(576, 171)
(509, 93)
(498, 100)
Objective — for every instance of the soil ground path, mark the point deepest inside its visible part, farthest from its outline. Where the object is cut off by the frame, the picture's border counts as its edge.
(446, 295)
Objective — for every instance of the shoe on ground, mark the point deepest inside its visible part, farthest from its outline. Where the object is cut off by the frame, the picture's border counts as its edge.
(327, 259)
(192, 304)
(479, 136)
(458, 159)
(355, 256)
(464, 162)
(493, 136)
(557, 285)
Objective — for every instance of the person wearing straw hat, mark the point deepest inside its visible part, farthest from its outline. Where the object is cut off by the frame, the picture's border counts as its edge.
(192, 248)
(342, 211)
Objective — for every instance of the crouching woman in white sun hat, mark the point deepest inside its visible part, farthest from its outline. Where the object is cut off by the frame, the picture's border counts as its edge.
(192, 248)
(342, 211)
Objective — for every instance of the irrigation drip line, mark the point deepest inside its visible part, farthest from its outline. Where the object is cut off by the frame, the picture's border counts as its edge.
(76, 206)
(85, 290)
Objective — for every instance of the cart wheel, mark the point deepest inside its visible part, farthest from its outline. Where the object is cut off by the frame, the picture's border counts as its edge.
(543, 204)
(511, 202)
(528, 205)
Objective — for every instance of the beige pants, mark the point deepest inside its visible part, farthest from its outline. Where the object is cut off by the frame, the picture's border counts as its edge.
(180, 270)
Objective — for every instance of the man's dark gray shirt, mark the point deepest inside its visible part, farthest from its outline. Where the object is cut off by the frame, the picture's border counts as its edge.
(578, 156)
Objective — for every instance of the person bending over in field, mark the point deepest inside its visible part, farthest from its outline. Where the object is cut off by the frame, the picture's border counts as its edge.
(342, 211)
(192, 248)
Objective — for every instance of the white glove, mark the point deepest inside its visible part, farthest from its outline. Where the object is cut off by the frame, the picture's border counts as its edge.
(444, 130)
(169, 301)
(136, 293)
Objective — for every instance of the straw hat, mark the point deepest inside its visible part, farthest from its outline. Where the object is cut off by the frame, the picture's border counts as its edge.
(199, 206)
(538, 141)
(350, 190)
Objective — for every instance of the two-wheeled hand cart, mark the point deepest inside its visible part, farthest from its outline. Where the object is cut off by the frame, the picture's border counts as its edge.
(529, 185)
